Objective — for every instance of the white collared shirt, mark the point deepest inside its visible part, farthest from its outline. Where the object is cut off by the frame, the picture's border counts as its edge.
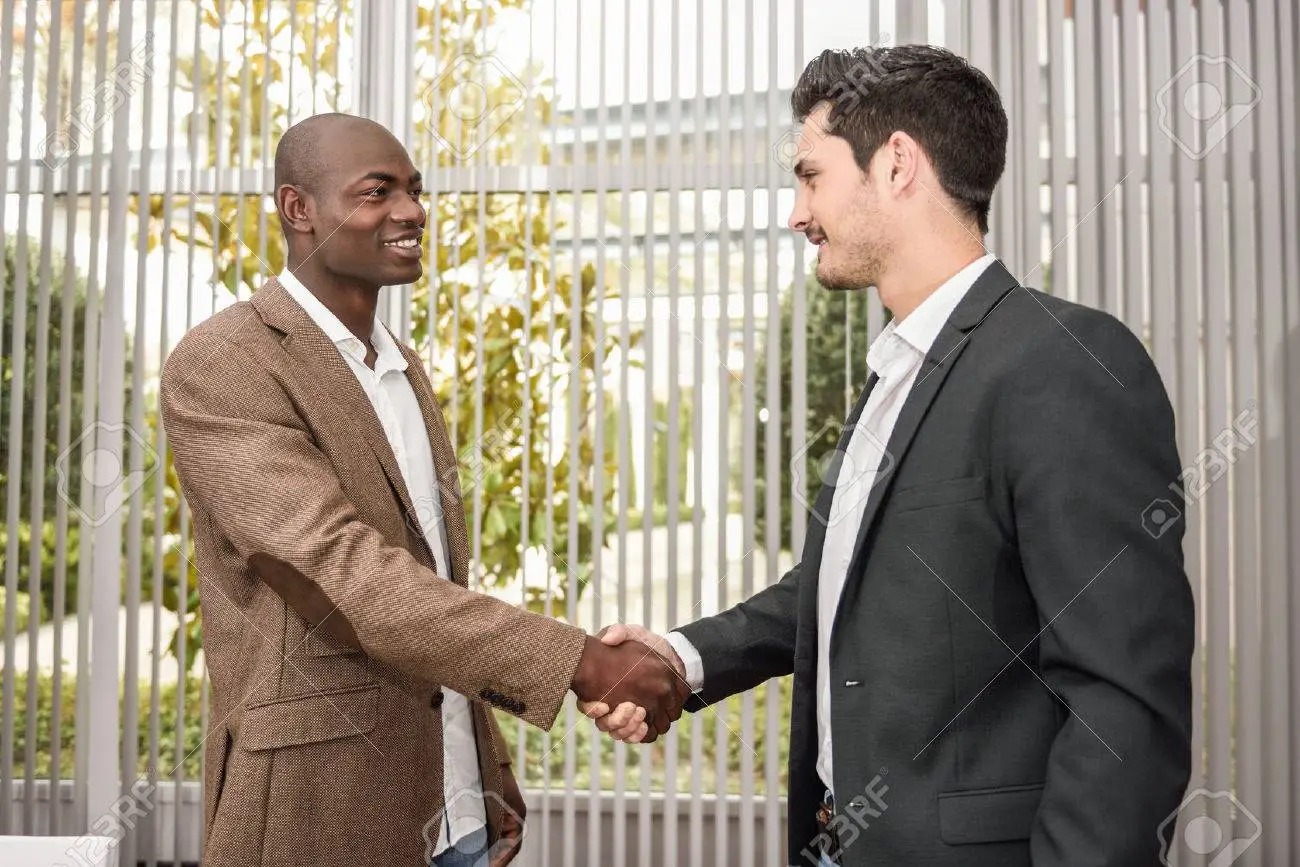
(399, 414)
(896, 357)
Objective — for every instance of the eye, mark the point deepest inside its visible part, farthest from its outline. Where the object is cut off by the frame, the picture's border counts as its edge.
(376, 193)
(420, 195)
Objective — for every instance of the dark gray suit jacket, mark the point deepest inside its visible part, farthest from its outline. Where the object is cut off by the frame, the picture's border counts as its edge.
(1037, 433)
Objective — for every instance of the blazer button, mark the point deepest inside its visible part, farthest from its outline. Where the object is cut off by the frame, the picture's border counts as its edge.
(435, 700)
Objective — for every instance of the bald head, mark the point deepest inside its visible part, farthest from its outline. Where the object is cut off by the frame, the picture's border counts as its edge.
(309, 150)
(346, 193)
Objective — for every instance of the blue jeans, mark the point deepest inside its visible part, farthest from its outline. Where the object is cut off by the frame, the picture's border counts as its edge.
(469, 851)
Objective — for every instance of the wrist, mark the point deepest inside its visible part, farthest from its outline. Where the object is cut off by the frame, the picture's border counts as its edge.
(584, 675)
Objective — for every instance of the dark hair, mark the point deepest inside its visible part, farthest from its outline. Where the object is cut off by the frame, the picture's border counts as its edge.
(947, 105)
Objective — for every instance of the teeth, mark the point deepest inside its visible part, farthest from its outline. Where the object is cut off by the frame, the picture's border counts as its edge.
(409, 242)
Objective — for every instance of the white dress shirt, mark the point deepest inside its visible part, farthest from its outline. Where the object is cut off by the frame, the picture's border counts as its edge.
(399, 414)
(895, 357)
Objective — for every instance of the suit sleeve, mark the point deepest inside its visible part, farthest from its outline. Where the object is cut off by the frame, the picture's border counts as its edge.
(748, 643)
(248, 465)
(1085, 441)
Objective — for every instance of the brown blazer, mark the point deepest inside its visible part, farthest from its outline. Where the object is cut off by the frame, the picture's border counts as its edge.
(327, 633)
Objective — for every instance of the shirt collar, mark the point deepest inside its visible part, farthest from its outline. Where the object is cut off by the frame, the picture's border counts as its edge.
(921, 328)
(901, 342)
(389, 356)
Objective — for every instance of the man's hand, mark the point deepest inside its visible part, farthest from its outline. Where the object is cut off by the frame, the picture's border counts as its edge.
(626, 721)
(512, 820)
(617, 672)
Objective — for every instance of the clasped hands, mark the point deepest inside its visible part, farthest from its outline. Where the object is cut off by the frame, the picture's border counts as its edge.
(631, 682)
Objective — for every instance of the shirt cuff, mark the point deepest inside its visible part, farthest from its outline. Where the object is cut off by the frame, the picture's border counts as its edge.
(690, 660)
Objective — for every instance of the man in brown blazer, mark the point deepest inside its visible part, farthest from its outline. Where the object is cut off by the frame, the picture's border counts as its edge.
(351, 668)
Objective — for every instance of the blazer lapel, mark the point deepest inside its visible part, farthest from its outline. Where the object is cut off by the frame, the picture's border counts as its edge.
(983, 297)
(445, 465)
(328, 376)
(816, 538)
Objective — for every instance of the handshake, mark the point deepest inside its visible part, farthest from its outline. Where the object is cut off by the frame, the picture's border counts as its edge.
(631, 682)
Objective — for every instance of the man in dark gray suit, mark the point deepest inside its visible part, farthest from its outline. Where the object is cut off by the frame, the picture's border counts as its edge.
(991, 653)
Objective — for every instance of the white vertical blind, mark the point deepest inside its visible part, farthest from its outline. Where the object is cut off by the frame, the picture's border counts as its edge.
(645, 133)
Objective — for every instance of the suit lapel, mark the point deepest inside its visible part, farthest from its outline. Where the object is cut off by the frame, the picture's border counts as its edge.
(445, 465)
(983, 297)
(327, 375)
(816, 539)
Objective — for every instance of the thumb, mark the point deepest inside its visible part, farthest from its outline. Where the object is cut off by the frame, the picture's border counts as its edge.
(616, 634)
(593, 709)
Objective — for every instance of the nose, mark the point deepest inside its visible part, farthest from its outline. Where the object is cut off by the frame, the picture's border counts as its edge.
(409, 210)
(800, 216)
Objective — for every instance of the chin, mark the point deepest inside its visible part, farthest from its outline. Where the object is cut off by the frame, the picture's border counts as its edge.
(400, 276)
(830, 279)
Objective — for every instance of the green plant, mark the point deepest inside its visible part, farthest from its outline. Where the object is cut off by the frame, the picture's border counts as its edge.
(503, 358)
(836, 373)
(546, 751)
(168, 714)
(22, 608)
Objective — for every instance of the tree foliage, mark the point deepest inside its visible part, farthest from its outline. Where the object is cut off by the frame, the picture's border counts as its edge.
(508, 356)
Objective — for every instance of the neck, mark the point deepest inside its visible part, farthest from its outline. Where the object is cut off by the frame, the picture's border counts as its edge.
(919, 270)
(353, 302)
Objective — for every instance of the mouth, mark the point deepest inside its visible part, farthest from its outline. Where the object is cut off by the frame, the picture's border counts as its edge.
(817, 241)
(406, 247)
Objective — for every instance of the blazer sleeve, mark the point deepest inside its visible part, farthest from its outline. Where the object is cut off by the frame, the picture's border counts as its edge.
(499, 740)
(248, 465)
(748, 643)
(1085, 441)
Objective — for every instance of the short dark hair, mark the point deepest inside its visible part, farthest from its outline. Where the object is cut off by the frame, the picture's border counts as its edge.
(947, 105)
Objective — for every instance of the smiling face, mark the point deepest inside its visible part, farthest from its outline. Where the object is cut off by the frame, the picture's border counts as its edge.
(839, 208)
(362, 221)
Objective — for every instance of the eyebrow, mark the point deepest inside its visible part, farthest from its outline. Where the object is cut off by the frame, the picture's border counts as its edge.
(385, 177)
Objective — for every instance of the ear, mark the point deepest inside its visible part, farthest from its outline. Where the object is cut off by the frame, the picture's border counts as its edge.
(294, 207)
(902, 161)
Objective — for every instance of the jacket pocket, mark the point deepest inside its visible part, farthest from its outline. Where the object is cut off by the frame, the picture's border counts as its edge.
(928, 494)
(988, 815)
(310, 719)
